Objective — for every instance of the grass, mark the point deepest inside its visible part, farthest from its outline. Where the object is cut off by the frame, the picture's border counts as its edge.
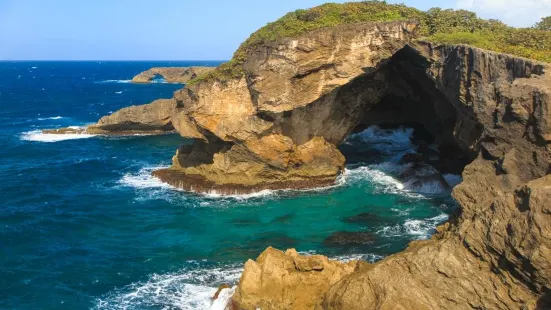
(437, 25)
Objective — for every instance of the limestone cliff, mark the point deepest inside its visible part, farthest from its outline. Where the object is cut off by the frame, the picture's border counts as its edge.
(278, 126)
(279, 123)
(497, 253)
(171, 74)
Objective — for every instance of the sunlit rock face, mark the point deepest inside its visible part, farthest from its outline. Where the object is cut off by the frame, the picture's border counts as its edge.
(280, 124)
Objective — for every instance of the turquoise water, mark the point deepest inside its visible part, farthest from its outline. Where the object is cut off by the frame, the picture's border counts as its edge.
(83, 225)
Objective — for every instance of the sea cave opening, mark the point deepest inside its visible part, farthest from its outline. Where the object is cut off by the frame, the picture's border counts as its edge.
(413, 126)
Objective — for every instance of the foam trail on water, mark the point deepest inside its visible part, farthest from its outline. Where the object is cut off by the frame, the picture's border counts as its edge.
(421, 229)
(114, 82)
(39, 136)
(144, 179)
(50, 118)
(186, 290)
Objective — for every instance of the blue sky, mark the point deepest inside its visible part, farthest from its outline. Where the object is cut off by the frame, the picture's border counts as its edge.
(175, 29)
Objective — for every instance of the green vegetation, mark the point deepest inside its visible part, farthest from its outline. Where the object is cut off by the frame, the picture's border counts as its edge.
(544, 24)
(437, 25)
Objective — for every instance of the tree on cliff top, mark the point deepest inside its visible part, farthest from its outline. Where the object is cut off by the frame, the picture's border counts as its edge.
(544, 24)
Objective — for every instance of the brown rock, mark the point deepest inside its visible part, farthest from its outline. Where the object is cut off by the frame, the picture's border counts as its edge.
(278, 280)
(148, 119)
(171, 74)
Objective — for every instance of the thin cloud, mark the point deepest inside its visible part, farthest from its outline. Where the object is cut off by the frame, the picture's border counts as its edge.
(523, 13)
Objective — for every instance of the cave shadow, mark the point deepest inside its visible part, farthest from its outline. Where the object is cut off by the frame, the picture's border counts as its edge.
(544, 302)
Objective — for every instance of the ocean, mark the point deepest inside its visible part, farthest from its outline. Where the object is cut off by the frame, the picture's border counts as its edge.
(84, 225)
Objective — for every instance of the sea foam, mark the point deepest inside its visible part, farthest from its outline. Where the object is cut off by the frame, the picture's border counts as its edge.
(420, 229)
(114, 82)
(39, 136)
(49, 118)
(186, 290)
(144, 179)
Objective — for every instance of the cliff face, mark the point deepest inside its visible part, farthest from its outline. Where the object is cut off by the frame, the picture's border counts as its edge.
(171, 74)
(278, 126)
(497, 253)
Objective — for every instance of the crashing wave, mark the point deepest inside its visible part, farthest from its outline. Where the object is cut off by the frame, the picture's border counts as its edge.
(186, 290)
(421, 229)
(39, 136)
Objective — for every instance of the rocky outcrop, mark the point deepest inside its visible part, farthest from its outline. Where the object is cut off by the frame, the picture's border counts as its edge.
(278, 280)
(278, 126)
(171, 74)
(495, 109)
(148, 119)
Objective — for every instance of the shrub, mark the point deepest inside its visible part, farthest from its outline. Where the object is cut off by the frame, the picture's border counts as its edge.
(437, 25)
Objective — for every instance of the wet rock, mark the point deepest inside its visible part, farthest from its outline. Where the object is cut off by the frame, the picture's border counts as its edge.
(362, 218)
(423, 178)
(409, 158)
(344, 238)
(220, 289)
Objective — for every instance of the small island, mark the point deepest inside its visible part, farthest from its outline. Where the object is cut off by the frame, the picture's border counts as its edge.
(179, 75)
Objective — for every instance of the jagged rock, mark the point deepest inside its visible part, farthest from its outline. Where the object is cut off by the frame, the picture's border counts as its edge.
(171, 74)
(494, 111)
(423, 178)
(278, 280)
(281, 123)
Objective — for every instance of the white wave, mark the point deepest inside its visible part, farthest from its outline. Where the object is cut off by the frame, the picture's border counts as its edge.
(34, 67)
(118, 93)
(429, 187)
(368, 257)
(453, 179)
(259, 194)
(378, 176)
(39, 136)
(115, 82)
(421, 229)
(144, 179)
(186, 290)
(221, 303)
(385, 140)
(50, 118)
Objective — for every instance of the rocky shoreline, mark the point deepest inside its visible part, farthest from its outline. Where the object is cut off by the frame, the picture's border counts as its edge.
(279, 125)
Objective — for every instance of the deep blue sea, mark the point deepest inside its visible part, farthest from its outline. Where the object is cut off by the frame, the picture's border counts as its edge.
(83, 225)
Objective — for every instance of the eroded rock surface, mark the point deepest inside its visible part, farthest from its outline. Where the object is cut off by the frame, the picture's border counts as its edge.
(278, 280)
(278, 126)
(171, 74)
(496, 253)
